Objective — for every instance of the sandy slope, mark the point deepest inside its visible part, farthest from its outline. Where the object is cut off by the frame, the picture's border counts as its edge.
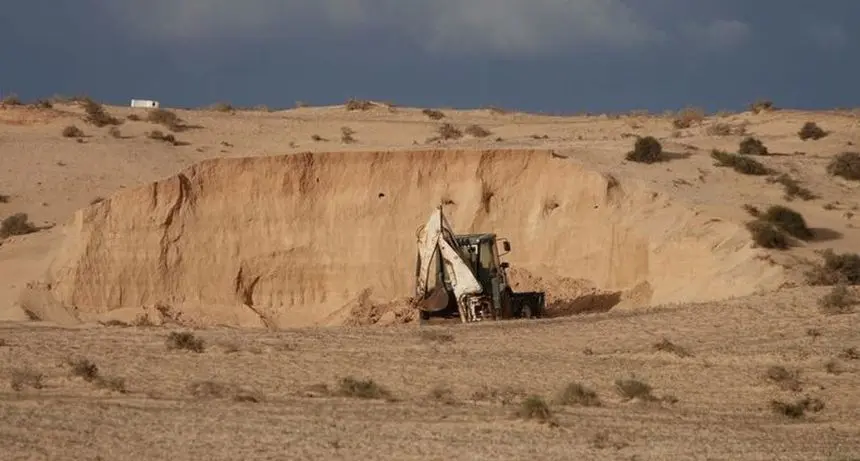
(722, 410)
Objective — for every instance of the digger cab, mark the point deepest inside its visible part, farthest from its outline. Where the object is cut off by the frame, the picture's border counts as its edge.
(482, 254)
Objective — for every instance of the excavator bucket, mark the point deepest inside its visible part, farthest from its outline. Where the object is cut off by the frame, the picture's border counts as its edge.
(436, 300)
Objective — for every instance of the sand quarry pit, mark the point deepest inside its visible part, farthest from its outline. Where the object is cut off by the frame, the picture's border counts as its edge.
(329, 239)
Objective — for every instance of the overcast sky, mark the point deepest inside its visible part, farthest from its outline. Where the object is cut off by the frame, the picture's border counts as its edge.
(540, 55)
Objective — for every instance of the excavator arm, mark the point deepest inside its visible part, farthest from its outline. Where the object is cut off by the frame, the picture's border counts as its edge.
(436, 240)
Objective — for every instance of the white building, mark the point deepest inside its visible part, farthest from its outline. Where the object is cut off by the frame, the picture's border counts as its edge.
(144, 103)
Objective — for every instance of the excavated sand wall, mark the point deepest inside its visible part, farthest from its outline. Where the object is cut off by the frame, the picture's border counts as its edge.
(292, 239)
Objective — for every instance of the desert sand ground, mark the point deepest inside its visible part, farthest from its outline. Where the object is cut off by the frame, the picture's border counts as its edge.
(455, 392)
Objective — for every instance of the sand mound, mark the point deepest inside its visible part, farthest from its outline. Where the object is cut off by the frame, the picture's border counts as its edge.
(310, 239)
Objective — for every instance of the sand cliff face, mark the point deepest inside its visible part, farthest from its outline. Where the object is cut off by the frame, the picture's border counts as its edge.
(291, 240)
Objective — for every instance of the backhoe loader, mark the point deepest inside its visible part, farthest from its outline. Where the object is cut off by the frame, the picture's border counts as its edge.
(462, 276)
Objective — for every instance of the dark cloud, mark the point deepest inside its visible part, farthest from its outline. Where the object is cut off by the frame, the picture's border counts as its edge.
(549, 55)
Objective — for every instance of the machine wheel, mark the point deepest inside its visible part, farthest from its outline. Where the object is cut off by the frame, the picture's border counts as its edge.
(526, 312)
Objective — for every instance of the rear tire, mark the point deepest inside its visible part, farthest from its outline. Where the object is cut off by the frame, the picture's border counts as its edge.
(526, 312)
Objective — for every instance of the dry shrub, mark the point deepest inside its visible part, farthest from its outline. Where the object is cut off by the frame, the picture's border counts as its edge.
(16, 224)
(4, 198)
(810, 130)
(792, 188)
(168, 138)
(477, 131)
(577, 394)
(788, 221)
(739, 163)
(43, 104)
(10, 100)
(846, 165)
(436, 336)
(443, 394)
(762, 105)
(634, 389)
(668, 346)
(26, 377)
(166, 118)
(838, 301)
(448, 131)
(768, 231)
(97, 115)
(317, 138)
(837, 268)
(346, 135)
(85, 369)
(752, 210)
(766, 235)
(726, 129)
(687, 117)
(133, 117)
(362, 389)
(646, 150)
(535, 407)
(215, 390)
(184, 341)
(797, 409)
(358, 104)
(752, 146)
(222, 107)
(72, 131)
(785, 379)
(850, 353)
(433, 114)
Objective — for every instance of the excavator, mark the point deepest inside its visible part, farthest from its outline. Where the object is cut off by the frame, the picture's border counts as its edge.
(462, 276)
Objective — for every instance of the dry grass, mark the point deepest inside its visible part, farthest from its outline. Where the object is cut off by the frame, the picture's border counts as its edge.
(360, 414)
